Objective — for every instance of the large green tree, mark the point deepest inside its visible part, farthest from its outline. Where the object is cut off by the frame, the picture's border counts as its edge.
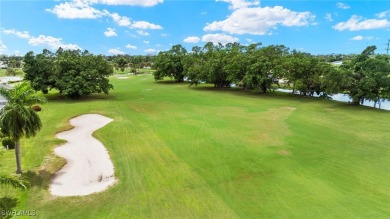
(39, 70)
(209, 64)
(18, 119)
(367, 77)
(193, 65)
(264, 66)
(236, 62)
(82, 73)
(216, 60)
(170, 63)
(72, 72)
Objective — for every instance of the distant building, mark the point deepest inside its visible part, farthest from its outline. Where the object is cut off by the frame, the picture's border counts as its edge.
(3, 101)
(8, 79)
(3, 65)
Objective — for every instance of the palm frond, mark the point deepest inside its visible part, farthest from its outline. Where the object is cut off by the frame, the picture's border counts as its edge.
(33, 124)
(17, 117)
(5, 93)
(10, 181)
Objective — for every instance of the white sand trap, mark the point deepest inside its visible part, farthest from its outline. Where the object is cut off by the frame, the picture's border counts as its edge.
(89, 168)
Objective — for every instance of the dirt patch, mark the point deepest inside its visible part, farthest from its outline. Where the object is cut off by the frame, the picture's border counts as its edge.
(288, 108)
(284, 152)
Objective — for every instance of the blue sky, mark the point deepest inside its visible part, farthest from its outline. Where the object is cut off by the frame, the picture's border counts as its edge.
(148, 26)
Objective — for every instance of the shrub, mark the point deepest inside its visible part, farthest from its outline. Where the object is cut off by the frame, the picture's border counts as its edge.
(37, 108)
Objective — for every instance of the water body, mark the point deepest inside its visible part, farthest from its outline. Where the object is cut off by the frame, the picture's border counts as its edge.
(385, 105)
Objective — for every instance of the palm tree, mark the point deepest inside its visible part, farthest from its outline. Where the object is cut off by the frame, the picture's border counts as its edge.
(11, 181)
(18, 119)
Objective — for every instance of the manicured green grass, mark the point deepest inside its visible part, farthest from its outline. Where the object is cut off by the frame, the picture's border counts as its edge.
(18, 71)
(198, 152)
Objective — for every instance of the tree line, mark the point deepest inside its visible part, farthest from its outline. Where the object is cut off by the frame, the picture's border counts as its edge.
(261, 68)
(123, 62)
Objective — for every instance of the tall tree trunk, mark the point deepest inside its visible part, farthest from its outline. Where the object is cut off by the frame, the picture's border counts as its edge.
(17, 153)
(355, 100)
(293, 90)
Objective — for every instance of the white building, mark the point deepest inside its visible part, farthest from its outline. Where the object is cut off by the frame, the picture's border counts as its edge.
(3, 65)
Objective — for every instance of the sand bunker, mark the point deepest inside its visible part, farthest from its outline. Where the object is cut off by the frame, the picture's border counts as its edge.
(89, 168)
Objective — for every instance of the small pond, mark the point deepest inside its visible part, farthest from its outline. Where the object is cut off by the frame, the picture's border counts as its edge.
(385, 105)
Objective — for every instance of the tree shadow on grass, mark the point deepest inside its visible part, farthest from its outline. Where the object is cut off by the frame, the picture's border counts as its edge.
(41, 178)
(171, 82)
(92, 97)
(252, 94)
(7, 204)
(277, 95)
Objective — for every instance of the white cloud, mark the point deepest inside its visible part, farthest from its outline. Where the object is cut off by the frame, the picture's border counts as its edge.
(110, 32)
(219, 38)
(121, 21)
(357, 23)
(328, 17)
(146, 42)
(20, 34)
(203, 13)
(51, 42)
(144, 3)
(3, 47)
(131, 46)
(164, 35)
(76, 9)
(83, 9)
(115, 52)
(192, 39)
(259, 21)
(342, 5)
(383, 14)
(142, 33)
(151, 51)
(145, 25)
(358, 38)
(249, 40)
(236, 4)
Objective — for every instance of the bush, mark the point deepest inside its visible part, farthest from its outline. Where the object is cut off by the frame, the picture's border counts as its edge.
(37, 108)
(8, 142)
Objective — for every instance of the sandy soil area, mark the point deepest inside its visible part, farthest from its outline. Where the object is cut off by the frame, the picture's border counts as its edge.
(89, 168)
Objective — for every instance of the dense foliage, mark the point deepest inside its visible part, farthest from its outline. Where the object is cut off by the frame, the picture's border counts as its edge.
(170, 64)
(262, 69)
(73, 73)
(131, 63)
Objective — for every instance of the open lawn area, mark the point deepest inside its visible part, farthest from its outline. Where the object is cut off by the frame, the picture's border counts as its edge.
(200, 152)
